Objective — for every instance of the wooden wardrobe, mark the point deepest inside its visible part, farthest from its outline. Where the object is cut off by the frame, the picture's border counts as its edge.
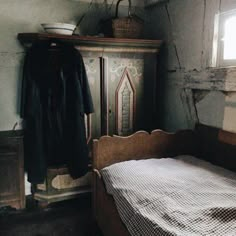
(122, 75)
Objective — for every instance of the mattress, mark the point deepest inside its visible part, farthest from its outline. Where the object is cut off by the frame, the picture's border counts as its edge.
(173, 196)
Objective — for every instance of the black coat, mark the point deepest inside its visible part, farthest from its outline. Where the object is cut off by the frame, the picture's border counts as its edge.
(55, 96)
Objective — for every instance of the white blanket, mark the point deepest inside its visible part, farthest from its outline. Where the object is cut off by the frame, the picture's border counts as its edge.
(181, 196)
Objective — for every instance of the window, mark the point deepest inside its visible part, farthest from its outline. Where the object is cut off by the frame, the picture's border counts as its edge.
(224, 45)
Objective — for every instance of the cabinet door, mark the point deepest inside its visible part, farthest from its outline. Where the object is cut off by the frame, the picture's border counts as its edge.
(129, 92)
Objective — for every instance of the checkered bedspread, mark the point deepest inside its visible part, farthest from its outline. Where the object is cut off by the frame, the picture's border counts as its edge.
(173, 196)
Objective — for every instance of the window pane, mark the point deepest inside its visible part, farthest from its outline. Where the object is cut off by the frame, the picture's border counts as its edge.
(230, 39)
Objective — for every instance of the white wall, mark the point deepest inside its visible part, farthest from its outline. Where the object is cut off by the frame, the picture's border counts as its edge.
(187, 28)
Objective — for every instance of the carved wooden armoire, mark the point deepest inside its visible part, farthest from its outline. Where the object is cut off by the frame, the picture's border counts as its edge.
(122, 75)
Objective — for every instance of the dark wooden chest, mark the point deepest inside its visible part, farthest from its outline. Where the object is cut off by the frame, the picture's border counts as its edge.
(12, 191)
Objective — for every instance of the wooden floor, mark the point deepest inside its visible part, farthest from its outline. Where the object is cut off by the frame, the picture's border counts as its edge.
(66, 218)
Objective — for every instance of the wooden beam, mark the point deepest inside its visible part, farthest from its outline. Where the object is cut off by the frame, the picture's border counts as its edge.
(95, 43)
(221, 79)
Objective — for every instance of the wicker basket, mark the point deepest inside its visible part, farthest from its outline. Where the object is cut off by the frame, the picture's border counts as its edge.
(127, 27)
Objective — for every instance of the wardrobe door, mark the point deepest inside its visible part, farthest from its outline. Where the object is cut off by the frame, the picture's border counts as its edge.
(124, 92)
(130, 92)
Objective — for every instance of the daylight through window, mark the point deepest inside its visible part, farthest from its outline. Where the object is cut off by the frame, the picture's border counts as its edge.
(230, 39)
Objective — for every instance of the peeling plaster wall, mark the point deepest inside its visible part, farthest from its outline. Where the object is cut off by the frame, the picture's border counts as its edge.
(187, 28)
(26, 16)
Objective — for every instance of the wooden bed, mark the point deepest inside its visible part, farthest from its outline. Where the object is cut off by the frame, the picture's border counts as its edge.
(209, 143)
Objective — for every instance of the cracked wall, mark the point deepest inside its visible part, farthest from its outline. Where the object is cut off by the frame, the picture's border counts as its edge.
(26, 16)
(187, 28)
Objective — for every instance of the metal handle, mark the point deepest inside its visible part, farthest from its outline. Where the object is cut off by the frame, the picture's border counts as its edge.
(117, 7)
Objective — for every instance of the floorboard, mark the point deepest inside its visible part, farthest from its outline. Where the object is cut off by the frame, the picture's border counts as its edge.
(66, 218)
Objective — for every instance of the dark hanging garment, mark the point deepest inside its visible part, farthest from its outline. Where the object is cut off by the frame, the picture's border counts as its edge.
(55, 97)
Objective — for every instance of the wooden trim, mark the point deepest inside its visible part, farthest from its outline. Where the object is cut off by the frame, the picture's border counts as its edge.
(21, 173)
(94, 195)
(105, 209)
(227, 137)
(8, 194)
(89, 127)
(116, 49)
(59, 196)
(88, 41)
(104, 99)
(125, 73)
(219, 79)
(95, 153)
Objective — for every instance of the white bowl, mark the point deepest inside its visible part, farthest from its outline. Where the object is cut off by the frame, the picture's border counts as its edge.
(59, 28)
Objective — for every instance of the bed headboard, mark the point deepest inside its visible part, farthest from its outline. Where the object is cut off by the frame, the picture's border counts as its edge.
(206, 142)
(217, 146)
(109, 150)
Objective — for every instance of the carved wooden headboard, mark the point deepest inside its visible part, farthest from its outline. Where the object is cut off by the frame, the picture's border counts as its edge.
(109, 150)
(217, 146)
(206, 142)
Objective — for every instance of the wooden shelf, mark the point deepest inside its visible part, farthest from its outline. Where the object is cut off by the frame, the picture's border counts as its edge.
(96, 43)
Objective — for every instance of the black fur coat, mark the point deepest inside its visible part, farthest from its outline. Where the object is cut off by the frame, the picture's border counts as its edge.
(55, 96)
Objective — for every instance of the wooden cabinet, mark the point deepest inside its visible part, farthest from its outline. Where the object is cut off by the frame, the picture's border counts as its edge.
(122, 86)
(11, 170)
(123, 81)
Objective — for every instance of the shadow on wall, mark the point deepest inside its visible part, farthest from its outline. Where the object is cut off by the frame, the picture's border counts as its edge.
(162, 70)
(210, 105)
(213, 96)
